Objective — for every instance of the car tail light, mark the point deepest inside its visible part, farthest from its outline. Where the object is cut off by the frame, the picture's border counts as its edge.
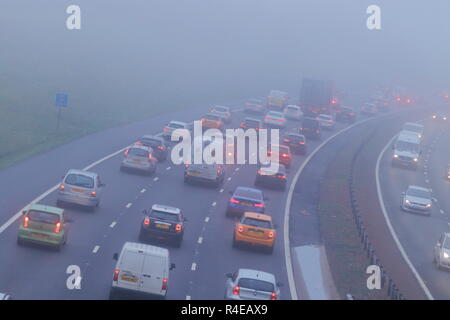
(280, 120)
(93, 193)
(242, 125)
(282, 177)
(178, 227)
(116, 275)
(62, 187)
(161, 147)
(267, 118)
(150, 156)
(126, 152)
(240, 229)
(57, 227)
(236, 290)
(317, 131)
(146, 222)
(25, 222)
(259, 172)
(166, 128)
(233, 200)
(301, 142)
(286, 140)
(284, 155)
(164, 284)
(139, 143)
(273, 296)
(259, 205)
(271, 234)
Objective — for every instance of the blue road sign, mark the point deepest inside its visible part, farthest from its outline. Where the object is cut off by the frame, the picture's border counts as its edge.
(62, 100)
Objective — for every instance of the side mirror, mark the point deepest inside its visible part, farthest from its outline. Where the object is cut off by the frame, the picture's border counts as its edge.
(24, 212)
(116, 256)
(229, 275)
(279, 284)
(172, 266)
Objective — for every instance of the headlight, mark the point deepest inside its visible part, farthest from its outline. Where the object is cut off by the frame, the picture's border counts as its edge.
(407, 201)
(415, 159)
(429, 205)
(446, 255)
(395, 155)
(434, 117)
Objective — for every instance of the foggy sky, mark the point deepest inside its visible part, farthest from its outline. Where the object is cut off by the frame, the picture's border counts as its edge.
(132, 51)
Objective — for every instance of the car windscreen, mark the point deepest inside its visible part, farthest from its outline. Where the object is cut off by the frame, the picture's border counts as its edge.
(296, 138)
(45, 217)
(255, 101)
(257, 223)
(413, 128)
(419, 193)
(256, 284)
(407, 146)
(137, 152)
(292, 108)
(275, 115)
(277, 94)
(80, 180)
(220, 109)
(447, 243)
(248, 193)
(167, 216)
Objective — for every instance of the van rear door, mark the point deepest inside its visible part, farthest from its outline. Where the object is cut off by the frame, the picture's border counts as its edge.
(153, 273)
(130, 270)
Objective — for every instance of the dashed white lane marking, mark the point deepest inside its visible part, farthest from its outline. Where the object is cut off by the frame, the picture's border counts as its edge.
(143, 190)
(113, 224)
(188, 297)
(237, 169)
(434, 199)
(221, 190)
(168, 168)
(214, 204)
(207, 219)
(194, 266)
(441, 211)
(200, 240)
(129, 205)
(427, 181)
(155, 179)
(95, 249)
(229, 178)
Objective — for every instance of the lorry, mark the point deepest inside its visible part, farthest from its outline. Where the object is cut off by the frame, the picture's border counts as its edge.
(316, 97)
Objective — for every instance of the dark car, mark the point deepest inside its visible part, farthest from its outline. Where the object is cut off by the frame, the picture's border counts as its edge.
(266, 176)
(251, 123)
(245, 199)
(162, 222)
(158, 145)
(345, 114)
(311, 128)
(296, 142)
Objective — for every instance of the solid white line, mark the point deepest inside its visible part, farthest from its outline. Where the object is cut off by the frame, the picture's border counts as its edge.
(388, 222)
(200, 240)
(194, 266)
(95, 249)
(442, 211)
(229, 178)
(237, 169)
(188, 297)
(113, 224)
(129, 205)
(287, 247)
(143, 190)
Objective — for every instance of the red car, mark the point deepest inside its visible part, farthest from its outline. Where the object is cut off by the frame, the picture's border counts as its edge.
(284, 154)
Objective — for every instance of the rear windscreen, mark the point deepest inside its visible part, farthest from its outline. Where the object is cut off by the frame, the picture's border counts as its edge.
(252, 123)
(138, 152)
(257, 223)
(80, 180)
(165, 216)
(45, 217)
(251, 194)
(256, 284)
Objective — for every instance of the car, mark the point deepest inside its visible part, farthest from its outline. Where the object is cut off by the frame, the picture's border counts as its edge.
(414, 128)
(158, 145)
(311, 128)
(251, 123)
(211, 121)
(172, 126)
(80, 187)
(296, 142)
(345, 114)
(277, 99)
(223, 112)
(293, 112)
(213, 174)
(441, 257)
(266, 176)
(275, 119)
(369, 109)
(255, 106)
(44, 225)
(439, 117)
(407, 150)
(255, 229)
(281, 153)
(162, 222)
(245, 199)
(417, 199)
(447, 174)
(326, 121)
(249, 284)
(4, 296)
(141, 269)
(139, 158)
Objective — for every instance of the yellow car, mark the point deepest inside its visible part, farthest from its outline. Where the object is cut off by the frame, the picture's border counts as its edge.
(277, 99)
(255, 229)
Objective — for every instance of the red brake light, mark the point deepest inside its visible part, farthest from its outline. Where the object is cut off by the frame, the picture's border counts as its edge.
(139, 143)
(236, 290)
(273, 296)
(58, 227)
(259, 205)
(282, 177)
(116, 275)
(62, 187)
(178, 227)
(25, 222)
(146, 222)
(233, 200)
(271, 234)
(126, 152)
(286, 140)
(284, 155)
(240, 228)
(93, 193)
(164, 284)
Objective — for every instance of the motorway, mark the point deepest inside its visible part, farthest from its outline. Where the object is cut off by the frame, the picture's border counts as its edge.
(418, 234)
(205, 256)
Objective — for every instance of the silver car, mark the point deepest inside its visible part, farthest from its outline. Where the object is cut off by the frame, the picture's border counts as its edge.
(293, 112)
(326, 121)
(172, 126)
(441, 255)
(140, 158)
(417, 199)
(248, 284)
(80, 187)
(275, 119)
(223, 112)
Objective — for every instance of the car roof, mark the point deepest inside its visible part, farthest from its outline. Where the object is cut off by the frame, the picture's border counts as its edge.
(140, 247)
(251, 119)
(258, 216)
(178, 122)
(164, 208)
(276, 112)
(45, 208)
(280, 146)
(292, 106)
(82, 172)
(256, 274)
(418, 188)
(228, 108)
(247, 189)
(278, 92)
(408, 136)
(413, 124)
(267, 168)
(291, 133)
(138, 146)
(148, 136)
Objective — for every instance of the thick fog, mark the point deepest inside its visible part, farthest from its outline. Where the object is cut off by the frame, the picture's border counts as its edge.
(193, 51)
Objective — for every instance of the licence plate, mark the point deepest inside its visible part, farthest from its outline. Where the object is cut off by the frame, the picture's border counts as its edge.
(247, 203)
(194, 174)
(39, 235)
(136, 160)
(77, 190)
(256, 234)
(129, 279)
(162, 226)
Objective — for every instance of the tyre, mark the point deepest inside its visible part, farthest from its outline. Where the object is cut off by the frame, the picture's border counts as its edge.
(235, 244)
(186, 180)
(179, 242)
(20, 242)
(270, 250)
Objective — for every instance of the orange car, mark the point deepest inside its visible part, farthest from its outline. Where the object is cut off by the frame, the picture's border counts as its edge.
(255, 229)
(212, 121)
(284, 155)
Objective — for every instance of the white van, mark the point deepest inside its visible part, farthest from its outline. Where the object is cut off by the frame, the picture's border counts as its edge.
(414, 128)
(407, 149)
(141, 269)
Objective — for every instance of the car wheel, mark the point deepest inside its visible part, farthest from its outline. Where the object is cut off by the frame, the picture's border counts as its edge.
(186, 180)
(235, 244)
(179, 242)
(112, 294)
(270, 250)
(141, 237)
(20, 242)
